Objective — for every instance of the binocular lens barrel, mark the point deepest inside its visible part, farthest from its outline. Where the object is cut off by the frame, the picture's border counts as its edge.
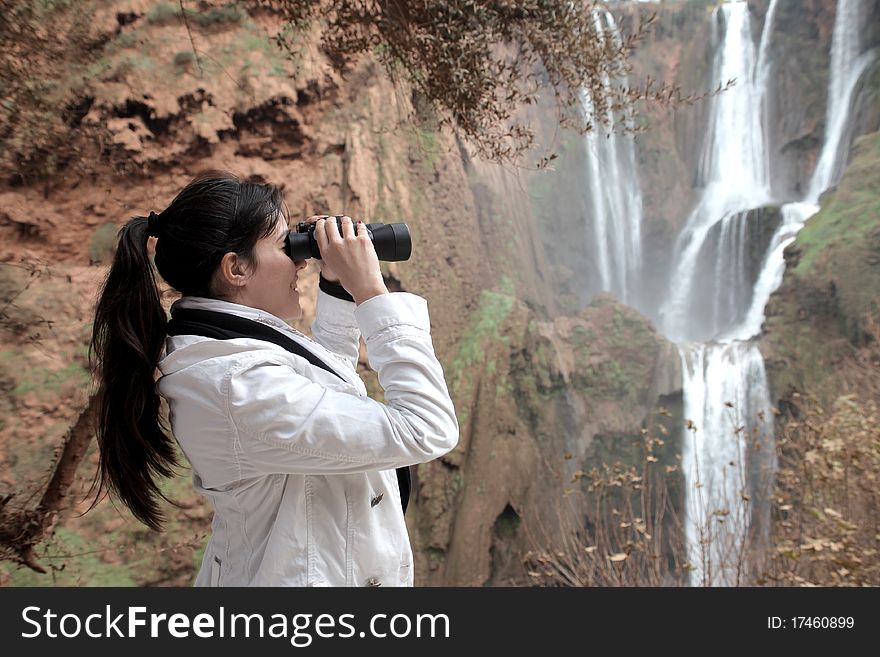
(391, 241)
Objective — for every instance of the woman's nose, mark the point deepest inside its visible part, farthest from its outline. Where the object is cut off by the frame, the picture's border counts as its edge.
(299, 264)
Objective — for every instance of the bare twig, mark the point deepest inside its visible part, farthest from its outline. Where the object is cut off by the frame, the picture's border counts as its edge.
(191, 40)
(22, 530)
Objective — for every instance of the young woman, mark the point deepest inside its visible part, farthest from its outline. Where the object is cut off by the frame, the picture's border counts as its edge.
(297, 461)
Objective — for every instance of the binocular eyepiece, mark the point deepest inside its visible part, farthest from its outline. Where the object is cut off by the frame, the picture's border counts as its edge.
(391, 241)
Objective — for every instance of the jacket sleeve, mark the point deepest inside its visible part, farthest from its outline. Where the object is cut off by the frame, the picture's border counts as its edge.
(336, 328)
(287, 423)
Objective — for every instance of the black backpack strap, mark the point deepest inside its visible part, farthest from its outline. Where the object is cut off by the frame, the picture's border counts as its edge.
(224, 326)
(404, 483)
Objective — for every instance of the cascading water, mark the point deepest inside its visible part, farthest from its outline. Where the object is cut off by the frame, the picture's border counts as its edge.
(614, 195)
(725, 395)
(847, 66)
(728, 455)
(724, 384)
(734, 173)
(718, 292)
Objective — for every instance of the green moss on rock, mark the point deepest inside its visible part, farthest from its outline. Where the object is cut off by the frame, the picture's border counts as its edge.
(841, 244)
(831, 285)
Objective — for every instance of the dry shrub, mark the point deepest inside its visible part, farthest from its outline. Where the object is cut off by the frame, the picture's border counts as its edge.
(47, 46)
(827, 525)
(620, 527)
(473, 63)
(626, 524)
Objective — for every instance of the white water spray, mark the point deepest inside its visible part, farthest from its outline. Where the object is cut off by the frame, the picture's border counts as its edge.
(847, 67)
(734, 166)
(615, 199)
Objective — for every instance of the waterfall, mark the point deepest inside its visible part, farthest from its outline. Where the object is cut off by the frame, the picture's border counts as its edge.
(847, 65)
(728, 261)
(713, 290)
(762, 71)
(734, 168)
(794, 215)
(614, 195)
(726, 458)
(729, 457)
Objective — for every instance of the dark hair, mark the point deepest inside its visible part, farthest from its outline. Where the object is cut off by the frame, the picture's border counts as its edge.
(214, 214)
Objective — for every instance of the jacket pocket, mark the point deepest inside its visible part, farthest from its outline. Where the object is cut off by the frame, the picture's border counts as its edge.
(215, 571)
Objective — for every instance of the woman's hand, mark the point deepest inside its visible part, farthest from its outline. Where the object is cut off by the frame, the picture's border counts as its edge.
(326, 271)
(351, 256)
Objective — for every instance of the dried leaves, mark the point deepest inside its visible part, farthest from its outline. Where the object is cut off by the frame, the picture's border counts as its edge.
(476, 61)
(633, 535)
(827, 500)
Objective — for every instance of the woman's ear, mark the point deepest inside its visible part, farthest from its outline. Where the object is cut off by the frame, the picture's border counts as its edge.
(233, 270)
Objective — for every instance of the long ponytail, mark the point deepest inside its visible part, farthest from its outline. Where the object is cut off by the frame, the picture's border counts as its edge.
(126, 345)
(216, 213)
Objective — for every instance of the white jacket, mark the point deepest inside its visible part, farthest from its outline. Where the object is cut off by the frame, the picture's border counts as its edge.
(299, 465)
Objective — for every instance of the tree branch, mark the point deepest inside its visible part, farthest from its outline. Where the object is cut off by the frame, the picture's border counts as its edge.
(22, 530)
(191, 40)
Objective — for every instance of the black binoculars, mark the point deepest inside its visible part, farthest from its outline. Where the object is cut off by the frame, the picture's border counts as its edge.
(391, 241)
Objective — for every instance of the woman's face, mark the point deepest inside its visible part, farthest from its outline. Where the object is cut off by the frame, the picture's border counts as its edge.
(271, 284)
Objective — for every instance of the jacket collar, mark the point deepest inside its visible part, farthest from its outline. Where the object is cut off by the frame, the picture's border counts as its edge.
(254, 314)
(203, 303)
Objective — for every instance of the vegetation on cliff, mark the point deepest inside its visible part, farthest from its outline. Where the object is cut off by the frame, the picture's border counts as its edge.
(826, 507)
(823, 344)
(831, 290)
